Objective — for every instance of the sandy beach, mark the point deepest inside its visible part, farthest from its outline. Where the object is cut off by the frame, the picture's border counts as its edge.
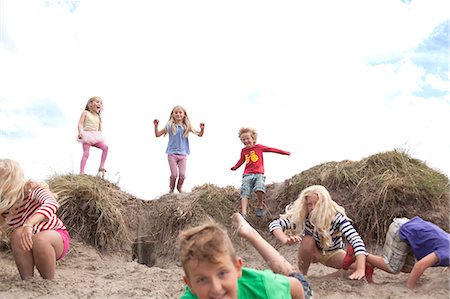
(85, 273)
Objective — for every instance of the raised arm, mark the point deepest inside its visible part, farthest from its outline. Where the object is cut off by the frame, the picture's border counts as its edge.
(202, 130)
(161, 132)
(275, 150)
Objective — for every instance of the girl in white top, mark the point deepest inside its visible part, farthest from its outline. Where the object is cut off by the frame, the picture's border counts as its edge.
(90, 133)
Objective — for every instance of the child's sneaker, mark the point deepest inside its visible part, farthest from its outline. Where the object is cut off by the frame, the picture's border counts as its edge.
(259, 212)
(101, 173)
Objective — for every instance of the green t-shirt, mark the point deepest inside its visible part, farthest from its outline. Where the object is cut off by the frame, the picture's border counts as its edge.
(257, 284)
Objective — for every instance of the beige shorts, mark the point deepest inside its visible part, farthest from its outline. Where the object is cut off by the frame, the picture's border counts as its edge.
(326, 255)
(397, 253)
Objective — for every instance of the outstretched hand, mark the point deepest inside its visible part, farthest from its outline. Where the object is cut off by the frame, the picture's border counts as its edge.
(293, 240)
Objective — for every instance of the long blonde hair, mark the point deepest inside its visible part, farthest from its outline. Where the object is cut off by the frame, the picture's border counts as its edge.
(186, 122)
(12, 184)
(320, 217)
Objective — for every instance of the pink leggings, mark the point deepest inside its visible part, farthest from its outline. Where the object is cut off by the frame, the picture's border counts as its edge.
(86, 146)
(177, 165)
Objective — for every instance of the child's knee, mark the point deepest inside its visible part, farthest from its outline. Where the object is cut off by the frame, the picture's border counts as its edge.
(308, 241)
(15, 237)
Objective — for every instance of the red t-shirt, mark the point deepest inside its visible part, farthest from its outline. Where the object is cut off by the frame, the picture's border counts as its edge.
(253, 158)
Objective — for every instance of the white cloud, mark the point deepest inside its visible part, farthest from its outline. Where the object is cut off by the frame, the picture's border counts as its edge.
(298, 72)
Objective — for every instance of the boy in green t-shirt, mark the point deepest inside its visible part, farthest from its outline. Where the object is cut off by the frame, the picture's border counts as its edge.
(212, 269)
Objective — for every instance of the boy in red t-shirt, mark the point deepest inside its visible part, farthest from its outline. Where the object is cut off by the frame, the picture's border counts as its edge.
(253, 179)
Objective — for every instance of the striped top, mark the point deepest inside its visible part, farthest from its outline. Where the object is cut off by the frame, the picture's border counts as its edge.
(340, 225)
(39, 201)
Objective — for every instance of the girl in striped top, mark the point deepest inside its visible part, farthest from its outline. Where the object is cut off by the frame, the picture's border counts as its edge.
(322, 223)
(27, 215)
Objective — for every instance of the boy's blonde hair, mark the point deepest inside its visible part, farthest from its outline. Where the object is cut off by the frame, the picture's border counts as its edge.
(206, 242)
(187, 126)
(321, 217)
(252, 131)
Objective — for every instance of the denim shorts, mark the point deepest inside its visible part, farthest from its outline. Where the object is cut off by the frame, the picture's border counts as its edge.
(252, 183)
(306, 286)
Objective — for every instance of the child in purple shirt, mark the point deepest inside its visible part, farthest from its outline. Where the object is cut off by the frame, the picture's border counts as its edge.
(411, 240)
(178, 128)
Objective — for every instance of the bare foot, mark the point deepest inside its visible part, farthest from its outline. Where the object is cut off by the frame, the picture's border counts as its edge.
(242, 227)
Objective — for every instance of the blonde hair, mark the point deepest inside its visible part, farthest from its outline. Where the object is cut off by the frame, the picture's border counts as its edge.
(252, 132)
(320, 217)
(186, 122)
(101, 108)
(13, 187)
(206, 242)
(12, 184)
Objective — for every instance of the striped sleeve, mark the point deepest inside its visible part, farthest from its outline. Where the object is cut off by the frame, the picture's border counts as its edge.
(345, 226)
(281, 223)
(48, 202)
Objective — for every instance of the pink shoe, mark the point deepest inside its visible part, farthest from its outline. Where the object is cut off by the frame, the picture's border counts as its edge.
(349, 258)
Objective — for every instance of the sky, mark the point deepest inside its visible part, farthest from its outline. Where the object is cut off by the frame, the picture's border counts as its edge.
(326, 80)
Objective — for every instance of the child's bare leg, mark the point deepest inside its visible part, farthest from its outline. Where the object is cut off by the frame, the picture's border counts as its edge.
(23, 258)
(244, 204)
(305, 253)
(336, 260)
(47, 246)
(377, 262)
(260, 198)
(277, 263)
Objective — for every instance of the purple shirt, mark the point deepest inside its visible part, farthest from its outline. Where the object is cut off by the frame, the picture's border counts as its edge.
(178, 144)
(424, 238)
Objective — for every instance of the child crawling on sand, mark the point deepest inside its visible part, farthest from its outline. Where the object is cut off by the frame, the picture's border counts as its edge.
(411, 239)
(212, 269)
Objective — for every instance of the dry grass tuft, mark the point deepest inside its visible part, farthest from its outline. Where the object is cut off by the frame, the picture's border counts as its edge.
(379, 188)
(373, 191)
(91, 208)
(163, 218)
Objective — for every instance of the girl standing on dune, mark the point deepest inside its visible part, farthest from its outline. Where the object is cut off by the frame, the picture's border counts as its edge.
(90, 133)
(178, 128)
